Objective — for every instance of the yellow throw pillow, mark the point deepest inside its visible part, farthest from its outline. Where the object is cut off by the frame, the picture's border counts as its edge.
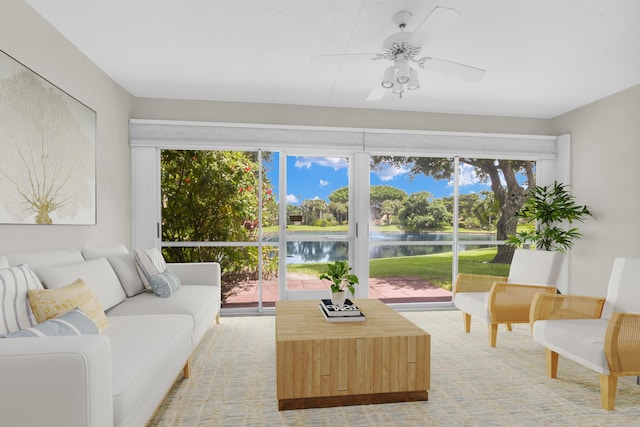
(50, 303)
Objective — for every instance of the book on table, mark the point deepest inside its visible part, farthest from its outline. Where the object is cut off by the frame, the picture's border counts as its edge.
(347, 309)
(359, 318)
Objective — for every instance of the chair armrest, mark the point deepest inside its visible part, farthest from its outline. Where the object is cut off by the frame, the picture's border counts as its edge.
(64, 381)
(466, 282)
(197, 273)
(622, 343)
(511, 302)
(553, 307)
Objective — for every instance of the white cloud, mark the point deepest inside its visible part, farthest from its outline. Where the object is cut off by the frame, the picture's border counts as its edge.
(387, 171)
(332, 162)
(291, 199)
(324, 183)
(467, 176)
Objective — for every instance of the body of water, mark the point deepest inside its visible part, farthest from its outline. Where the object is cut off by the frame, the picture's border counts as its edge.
(301, 252)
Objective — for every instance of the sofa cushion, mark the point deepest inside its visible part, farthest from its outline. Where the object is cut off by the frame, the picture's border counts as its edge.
(148, 352)
(50, 303)
(96, 273)
(164, 284)
(93, 252)
(123, 264)
(42, 259)
(4, 262)
(198, 301)
(15, 312)
(581, 340)
(149, 262)
(75, 322)
(125, 267)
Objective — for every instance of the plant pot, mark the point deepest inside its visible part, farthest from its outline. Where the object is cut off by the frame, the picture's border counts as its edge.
(338, 298)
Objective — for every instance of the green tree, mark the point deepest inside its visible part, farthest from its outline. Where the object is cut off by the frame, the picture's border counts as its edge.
(212, 196)
(380, 193)
(420, 212)
(313, 210)
(510, 196)
(339, 210)
(389, 208)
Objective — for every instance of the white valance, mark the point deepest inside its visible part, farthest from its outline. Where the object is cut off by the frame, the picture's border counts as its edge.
(234, 136)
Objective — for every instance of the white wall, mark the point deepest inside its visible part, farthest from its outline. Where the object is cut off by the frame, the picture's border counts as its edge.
(230, 112)
(25, 36)
(605, 151)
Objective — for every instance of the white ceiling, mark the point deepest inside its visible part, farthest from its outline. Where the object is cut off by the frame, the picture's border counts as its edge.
(543, 57)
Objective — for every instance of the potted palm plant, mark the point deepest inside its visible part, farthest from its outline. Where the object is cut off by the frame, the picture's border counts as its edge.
(338, 274)
(550, 206)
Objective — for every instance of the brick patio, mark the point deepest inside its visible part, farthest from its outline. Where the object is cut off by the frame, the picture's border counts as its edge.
(389, 290)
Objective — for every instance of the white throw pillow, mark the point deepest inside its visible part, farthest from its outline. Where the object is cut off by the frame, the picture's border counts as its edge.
(149, 262)
(15, 312)
(97, 273)
(4, 262)
(126, 270)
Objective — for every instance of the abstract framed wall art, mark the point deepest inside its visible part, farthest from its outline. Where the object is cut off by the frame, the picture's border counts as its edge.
(47, 151)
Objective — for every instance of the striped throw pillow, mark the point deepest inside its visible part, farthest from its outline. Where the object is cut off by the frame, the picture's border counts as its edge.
(149, 263)
(15, 312)
(75, 322)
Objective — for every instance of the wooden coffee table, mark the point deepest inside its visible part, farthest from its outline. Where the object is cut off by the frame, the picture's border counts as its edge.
(384, 359)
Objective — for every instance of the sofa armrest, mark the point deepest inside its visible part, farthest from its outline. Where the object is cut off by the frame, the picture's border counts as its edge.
(197, 273)
(511, 302)
(61, 380)
(466, 282)
(622, 343)
(553, 307)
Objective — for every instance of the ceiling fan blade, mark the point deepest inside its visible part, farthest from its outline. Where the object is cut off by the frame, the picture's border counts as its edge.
(453, 69)
(345, 57)
(378, 92)
(437, 21)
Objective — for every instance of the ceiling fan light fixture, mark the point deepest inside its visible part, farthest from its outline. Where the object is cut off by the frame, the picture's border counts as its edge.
(389, 77)
(403, 75)
(414, 82)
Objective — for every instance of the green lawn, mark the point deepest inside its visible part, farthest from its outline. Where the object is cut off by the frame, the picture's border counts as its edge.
(434, 268)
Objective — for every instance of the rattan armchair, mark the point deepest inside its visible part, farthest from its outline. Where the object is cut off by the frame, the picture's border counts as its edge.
(601, 334)
(507, 300)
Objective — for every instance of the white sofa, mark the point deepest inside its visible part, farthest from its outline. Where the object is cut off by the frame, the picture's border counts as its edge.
(116, 378)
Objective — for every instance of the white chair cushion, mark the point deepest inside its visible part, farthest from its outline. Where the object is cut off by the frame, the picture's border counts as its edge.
(474, 303)
(581, 340)
(96, 273)
(529, 267)
(623, 293)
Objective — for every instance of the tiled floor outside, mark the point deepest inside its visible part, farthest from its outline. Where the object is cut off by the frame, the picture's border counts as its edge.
(389, 290)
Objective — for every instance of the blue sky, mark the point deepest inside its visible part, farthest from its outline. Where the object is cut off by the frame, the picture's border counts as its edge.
(317, 177)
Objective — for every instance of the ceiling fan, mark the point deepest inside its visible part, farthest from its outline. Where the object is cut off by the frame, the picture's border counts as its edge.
(403, 48)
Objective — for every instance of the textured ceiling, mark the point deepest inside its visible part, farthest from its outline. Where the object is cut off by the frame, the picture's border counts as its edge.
(543, 57)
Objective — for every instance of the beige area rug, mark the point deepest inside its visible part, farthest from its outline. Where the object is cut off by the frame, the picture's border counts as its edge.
(233, 384)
